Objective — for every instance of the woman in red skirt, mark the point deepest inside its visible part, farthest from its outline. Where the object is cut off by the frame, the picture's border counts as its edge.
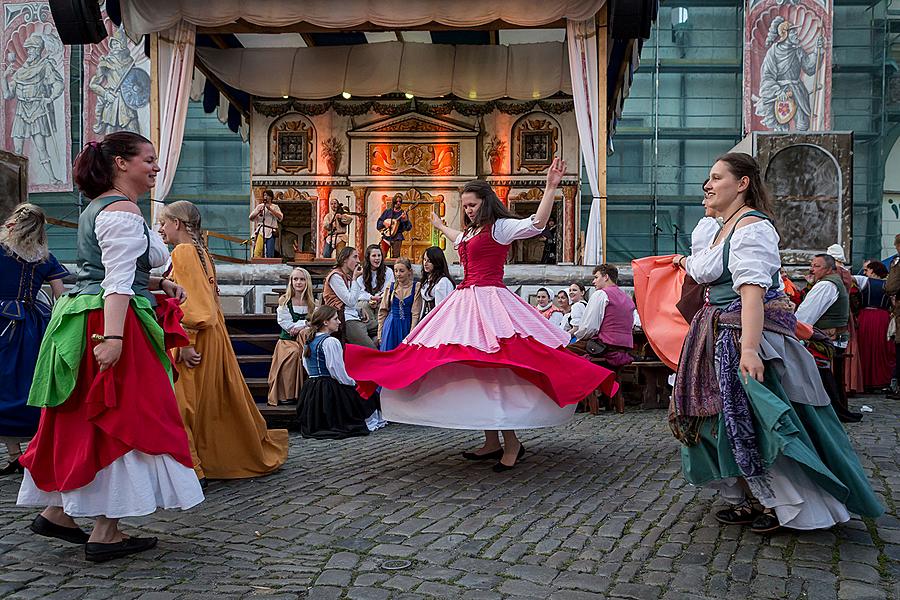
(111, 442)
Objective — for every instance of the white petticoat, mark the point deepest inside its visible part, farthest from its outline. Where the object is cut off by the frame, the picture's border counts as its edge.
(134, 485)
(797, 501)
(460, 396)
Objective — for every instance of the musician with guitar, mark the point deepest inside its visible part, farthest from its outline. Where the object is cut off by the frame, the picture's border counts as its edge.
(392, 223)
(336, 222)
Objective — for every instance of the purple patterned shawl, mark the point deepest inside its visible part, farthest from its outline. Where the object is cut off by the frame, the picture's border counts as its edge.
(703, 391)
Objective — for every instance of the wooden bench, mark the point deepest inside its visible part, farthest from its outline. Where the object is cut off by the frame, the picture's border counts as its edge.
(652, 377)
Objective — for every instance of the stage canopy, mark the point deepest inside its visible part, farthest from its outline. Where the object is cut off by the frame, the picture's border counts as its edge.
(477, 50)
(148, 16)
(520, 71)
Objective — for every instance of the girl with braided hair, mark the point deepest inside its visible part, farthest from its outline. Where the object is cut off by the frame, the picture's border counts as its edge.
(228, 436)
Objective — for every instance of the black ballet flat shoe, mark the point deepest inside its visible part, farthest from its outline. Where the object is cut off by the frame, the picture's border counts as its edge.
(766, 522)
(14, 466)
(490, 455)
(500, 467)
(203, 483)
(850, 417)
(97, 552)
(45, 527)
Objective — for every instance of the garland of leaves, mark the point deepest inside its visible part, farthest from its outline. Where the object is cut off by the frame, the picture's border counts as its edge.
(355, 109)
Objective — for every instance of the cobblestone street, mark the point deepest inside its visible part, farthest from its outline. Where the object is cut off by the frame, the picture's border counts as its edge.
(596, 509)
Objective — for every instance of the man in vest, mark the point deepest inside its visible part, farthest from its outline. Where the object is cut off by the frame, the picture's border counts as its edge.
(607, 326)
(827, 307)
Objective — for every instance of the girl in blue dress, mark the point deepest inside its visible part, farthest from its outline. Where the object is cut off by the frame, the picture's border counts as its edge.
(25, 265)
(400, 308)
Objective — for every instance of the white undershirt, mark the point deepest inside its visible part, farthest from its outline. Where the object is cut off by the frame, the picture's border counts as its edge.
(286, 321)
(365, 296)
(349, 296)
(592, 318)
(753, 259)
(443, 288)
(506, 231)
(334, 360)
(122, 241)
(818, 299)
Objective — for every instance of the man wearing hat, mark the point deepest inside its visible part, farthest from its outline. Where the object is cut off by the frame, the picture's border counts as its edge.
(827, 307)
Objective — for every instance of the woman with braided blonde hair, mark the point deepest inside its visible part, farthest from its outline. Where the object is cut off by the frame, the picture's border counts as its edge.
(228, 436)
(25, 265)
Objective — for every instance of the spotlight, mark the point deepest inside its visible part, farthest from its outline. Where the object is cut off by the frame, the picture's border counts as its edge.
(409, 96)
(285, 97)
(346, 95)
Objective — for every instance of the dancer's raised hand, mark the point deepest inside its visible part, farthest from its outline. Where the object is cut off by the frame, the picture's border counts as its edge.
(555, 172)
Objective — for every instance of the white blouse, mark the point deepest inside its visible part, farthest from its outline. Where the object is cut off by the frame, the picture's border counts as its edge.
(365, 296)
(573, 317)
(506, 231)
(441, 290)
(286, 321)
(754, 257)
(122, 241)
(334, 360)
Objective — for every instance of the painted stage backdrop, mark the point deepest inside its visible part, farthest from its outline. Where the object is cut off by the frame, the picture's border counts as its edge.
(787, 65)
(116, 85)
(34, 80)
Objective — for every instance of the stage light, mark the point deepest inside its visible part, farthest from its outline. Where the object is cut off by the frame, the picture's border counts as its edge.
(409, 96)
(285, 97)
(346, 95)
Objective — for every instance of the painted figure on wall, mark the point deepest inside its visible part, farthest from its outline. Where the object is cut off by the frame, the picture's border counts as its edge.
(116, 85)
(34, 86)
(787, 65)
(121, 88)
(784, 98)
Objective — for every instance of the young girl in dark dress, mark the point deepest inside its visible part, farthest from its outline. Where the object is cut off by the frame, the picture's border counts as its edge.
(330, 407)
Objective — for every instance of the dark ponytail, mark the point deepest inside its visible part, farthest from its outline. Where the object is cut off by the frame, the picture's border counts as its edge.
(94, 168)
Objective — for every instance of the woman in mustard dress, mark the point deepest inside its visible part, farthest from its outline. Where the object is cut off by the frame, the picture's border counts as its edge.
(228, 436)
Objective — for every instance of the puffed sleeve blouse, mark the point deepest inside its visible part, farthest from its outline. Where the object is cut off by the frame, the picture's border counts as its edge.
(753, 259)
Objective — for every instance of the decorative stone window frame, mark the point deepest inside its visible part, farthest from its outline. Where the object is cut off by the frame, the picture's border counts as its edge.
(292, 124)
(535, 124)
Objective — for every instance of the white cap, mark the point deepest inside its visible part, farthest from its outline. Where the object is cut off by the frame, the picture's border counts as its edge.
(836, 252)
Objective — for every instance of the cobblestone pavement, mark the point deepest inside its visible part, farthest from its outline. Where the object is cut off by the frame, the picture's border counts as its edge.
(598, 509)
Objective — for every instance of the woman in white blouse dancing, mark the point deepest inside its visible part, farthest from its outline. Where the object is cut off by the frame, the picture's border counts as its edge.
(748, 405)
(111, 442)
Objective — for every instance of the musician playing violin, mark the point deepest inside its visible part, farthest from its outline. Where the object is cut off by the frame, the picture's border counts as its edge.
(335, 223)
(392, 223)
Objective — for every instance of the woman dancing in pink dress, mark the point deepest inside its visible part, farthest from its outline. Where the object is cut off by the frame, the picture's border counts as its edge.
(484, 358)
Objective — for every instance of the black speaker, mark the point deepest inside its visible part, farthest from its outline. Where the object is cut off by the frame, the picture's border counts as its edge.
(78, 21)
(631, 19)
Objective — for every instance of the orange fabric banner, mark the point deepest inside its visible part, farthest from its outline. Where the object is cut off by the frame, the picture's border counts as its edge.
(657, 290)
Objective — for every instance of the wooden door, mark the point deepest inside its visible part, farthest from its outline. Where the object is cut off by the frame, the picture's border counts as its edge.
(419, 238)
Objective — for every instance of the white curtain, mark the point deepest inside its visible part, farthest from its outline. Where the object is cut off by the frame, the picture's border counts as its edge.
(146, 16)
(176, 68)
(582, 40)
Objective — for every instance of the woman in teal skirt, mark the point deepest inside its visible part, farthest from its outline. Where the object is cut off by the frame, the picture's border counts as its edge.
(748, 407)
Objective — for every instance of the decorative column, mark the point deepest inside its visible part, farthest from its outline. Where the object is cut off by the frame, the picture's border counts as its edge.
(323, 193)
(502, 192)
(569, 229)
(362, 220)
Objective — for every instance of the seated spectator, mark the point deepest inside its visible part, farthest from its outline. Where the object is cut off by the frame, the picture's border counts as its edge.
(577, 304)
(546, 307)
(606, 327)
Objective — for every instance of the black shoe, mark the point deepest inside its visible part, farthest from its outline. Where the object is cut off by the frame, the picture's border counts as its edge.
(765, 523)
(849, 417)
(500, 467)
(203, 483)
(45, 527)
(741, 514)
(14, 466)
(490, 455)
(97, 552)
